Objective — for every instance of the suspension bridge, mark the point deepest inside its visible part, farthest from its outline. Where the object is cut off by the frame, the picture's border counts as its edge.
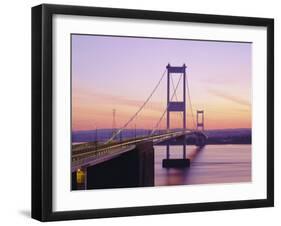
(90, 155)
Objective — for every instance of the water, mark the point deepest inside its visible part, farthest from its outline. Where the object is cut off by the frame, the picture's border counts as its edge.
(212, 164)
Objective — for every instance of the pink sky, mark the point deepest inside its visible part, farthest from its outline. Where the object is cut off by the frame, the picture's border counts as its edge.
(120, 72)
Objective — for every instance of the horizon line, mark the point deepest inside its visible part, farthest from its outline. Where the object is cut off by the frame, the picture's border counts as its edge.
(73, 131)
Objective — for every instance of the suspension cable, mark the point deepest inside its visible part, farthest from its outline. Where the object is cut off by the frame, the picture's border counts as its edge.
(162, 116)
(138, 111)
(189, 97)
(176, 97)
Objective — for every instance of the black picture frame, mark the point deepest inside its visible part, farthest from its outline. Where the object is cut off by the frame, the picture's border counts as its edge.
(42, 111)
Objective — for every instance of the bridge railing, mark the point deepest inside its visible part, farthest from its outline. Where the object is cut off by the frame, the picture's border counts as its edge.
(87, 151)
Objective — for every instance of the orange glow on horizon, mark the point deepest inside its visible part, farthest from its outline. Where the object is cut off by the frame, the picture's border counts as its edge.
(120, 73)
(218, 115)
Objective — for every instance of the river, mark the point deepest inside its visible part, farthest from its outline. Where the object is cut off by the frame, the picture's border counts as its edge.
(212, 164)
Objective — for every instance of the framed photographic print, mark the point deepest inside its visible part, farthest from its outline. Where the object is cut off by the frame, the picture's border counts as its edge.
(145, 112)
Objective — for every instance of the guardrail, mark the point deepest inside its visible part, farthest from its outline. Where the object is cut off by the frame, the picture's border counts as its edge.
(89, 152)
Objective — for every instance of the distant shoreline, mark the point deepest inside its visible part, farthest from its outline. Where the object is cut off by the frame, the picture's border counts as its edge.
(222, 136)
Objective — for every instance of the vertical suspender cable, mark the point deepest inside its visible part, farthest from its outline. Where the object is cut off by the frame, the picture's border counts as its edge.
(162, 116)
(138, 111)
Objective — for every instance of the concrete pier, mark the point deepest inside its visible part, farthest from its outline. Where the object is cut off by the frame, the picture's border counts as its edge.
(175, 163)
(131, 169)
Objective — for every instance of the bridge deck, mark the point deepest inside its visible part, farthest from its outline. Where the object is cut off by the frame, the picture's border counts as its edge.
(88, 154)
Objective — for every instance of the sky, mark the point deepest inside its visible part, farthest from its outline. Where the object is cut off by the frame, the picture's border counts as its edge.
(119, 73)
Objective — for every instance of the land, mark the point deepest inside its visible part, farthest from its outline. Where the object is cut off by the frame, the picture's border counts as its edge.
(220, 136)
(229, 136)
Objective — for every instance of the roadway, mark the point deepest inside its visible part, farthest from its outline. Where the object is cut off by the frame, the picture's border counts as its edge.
(88, 154)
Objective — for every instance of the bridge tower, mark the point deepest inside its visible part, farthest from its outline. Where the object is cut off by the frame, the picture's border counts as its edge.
(200, 122)
(200, 139)
(176, 106)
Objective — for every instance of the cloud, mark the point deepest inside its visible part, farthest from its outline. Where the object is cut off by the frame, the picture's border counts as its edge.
(229, 97)
(101, 98)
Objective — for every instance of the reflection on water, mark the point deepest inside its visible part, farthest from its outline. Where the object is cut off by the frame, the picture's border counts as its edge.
(212, 164)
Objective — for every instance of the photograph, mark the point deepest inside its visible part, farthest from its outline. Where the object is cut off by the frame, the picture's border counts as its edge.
(154, 111)
(141, 112)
